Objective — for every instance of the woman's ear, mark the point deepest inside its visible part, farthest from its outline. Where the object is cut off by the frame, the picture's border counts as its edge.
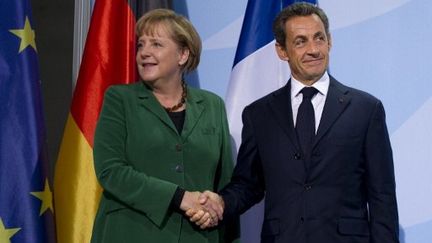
(184, 56)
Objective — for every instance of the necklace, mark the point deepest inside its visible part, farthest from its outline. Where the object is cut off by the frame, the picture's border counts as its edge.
(182, 99)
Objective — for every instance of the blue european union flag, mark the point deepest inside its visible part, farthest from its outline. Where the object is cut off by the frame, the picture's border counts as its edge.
(26, 207)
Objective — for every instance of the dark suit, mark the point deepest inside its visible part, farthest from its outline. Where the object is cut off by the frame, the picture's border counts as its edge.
(347, 193)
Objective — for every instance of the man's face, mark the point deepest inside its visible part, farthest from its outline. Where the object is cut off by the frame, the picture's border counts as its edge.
(306, 48)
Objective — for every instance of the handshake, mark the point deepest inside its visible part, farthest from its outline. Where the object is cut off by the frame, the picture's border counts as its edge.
(205, 209)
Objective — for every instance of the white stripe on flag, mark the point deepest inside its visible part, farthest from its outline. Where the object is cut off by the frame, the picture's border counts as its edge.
(255, 76)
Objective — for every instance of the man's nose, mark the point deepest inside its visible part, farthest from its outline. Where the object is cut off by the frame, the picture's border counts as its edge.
(313, 49)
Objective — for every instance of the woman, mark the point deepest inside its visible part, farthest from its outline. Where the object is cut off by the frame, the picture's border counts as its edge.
(159, 142)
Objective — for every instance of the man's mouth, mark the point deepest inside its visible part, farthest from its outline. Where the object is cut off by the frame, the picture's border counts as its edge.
(314, 61)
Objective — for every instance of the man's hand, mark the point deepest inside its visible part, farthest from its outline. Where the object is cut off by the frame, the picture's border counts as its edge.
(213, 204)
(191, 203)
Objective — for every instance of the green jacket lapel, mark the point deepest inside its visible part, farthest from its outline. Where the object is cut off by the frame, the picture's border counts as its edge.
(195, 105)
(149, 102)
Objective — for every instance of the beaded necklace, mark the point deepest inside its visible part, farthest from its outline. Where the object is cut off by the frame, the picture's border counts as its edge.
(182, 99)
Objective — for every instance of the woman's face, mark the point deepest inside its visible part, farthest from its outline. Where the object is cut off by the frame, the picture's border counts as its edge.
(159, 57)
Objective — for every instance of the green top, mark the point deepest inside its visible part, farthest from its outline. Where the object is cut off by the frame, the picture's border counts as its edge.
(140, 160)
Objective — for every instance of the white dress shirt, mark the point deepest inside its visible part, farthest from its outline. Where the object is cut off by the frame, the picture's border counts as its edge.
(322, 85)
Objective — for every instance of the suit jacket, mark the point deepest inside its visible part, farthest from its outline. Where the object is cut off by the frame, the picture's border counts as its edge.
(140, 160)
(346, 194)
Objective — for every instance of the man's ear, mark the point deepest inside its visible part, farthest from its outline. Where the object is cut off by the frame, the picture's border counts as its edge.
(280, 50)
(329, 41)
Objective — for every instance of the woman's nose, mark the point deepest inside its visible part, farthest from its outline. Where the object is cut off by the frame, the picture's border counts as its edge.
(143, 51)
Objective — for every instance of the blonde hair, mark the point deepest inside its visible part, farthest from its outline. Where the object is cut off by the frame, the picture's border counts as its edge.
(180, 29)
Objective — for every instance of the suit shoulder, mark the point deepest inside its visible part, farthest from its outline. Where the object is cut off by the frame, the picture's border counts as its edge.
(265, 99)
(123, 90)
(357, 94)
(362, 95)
(123, 87)
(201, 94)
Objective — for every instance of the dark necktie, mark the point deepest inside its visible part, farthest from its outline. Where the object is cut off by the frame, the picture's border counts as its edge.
(305, 123)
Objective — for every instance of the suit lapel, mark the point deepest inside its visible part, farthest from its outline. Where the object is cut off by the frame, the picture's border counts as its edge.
(194, 110)
(149, 102)
(337, 100)
(280, 105)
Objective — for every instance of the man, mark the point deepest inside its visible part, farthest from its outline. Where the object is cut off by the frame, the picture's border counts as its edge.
(337, 185)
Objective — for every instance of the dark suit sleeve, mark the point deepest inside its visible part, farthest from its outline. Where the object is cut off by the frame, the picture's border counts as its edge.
(380, 180)
(247, 184)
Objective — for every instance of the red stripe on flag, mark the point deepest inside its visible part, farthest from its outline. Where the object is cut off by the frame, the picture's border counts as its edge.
(109, 58)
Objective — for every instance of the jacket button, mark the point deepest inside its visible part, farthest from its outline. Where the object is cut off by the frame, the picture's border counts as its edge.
(297, 156)
(179, 168)
(307, 187)
(178, 147)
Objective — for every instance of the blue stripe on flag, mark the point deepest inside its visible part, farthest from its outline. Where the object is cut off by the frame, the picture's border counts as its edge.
(288, 2)
(256, 30)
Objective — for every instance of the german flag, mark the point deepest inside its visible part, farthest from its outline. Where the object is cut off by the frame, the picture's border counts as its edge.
(109, 58)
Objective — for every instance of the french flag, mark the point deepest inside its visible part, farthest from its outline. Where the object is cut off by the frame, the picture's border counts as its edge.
(257, 71)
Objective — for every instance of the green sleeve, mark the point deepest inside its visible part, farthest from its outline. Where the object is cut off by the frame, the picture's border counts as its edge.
(229, 231)
(226, 155)
(116, 175)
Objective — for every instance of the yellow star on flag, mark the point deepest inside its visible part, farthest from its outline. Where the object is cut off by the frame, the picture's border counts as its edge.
(46, 197)
(27, 36)
(6, 234)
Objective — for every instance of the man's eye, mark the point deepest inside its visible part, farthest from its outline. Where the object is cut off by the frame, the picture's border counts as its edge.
(299, 42)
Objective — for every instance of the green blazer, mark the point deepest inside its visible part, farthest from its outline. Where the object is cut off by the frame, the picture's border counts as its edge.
(140, 160)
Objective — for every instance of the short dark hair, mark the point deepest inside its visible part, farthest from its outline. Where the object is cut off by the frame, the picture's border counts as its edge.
(296, 10)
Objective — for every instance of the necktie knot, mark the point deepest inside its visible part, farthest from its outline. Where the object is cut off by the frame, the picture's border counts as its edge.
(308, 92)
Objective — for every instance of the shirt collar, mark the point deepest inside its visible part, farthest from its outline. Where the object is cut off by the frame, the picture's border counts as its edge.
(321, 85)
